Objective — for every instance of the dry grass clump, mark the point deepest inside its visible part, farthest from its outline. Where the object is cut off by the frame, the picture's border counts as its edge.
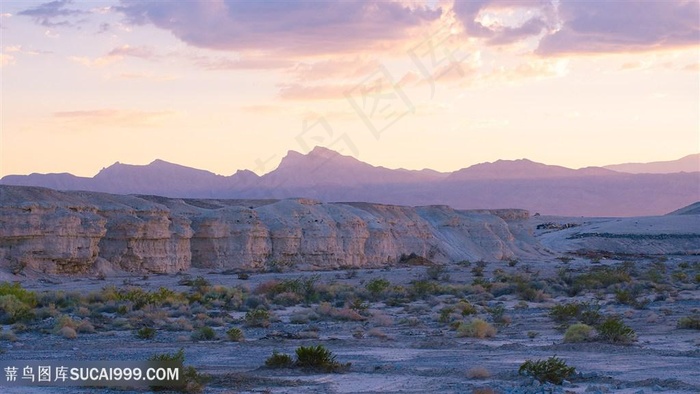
(579, 333)
(476, 328)
(325, 310)
(382, 320)
(478, 373)
(68, 332)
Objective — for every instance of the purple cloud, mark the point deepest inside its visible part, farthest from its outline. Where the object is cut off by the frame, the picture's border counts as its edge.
(620, 26)
(47, 13)
(574, 26)
(286, 26)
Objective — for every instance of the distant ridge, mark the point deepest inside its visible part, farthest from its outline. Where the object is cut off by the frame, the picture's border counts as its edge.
(690, 163)
(326, 175)
(692, 209)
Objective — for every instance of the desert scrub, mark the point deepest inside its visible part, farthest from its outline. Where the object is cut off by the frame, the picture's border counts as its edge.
(465, 308)
(614, 330)
(235, 334)
(377, 286)
(146, 333)
(437, 272)
(257, 318)
(583, 312)
(16, 303)
(279, 360)
(552, 370)
(318, 357)
(205, 333)
(599, 278)
(689, 322)
(579, 333)
(192, 381)
(295, 290)
(476, 328)
(325, 310)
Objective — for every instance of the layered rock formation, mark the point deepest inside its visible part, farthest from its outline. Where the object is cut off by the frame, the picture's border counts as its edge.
(69, 232)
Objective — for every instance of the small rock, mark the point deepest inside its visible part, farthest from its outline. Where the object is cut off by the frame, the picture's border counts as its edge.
(565, 383)
(657, 388)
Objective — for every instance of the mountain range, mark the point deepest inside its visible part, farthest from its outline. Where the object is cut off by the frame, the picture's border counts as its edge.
(616, 190)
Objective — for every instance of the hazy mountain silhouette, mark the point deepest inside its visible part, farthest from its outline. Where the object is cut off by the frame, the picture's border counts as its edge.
(690, 163)
(327, 175)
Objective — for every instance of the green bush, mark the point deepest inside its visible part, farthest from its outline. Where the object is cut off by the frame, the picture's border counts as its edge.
(317, 357)
(257, 318)
(377, 286)
(552, 370)
(581, 311)
(192, 381)
(578, 333)
(12, 309)
(16, 303)
(235, 334)
(15, 289)
(614, 330)
(146, 333)
(689, 322)
(279, 360)
(205, 333)
(435, 272)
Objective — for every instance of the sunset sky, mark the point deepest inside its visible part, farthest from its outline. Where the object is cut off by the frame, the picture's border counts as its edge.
(225, 85)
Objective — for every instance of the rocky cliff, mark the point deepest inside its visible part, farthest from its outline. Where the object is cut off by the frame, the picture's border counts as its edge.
(74, 232)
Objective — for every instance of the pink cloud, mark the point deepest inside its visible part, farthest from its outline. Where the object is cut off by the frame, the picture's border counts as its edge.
(300, 27)
(623, 26)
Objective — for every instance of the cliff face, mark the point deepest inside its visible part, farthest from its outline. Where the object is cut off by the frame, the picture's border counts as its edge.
(67, 232)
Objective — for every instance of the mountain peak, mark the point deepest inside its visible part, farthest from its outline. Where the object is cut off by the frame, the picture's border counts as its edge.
(320, 151)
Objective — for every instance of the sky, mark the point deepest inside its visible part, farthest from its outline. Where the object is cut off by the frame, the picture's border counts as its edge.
(224, 85)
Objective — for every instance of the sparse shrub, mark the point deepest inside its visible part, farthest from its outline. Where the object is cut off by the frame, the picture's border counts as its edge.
(317, 357)
(478, 373)
(476, 328)
(553, 370)
(434, 272)
(84, 326)
(446, 314)
(235, 334)
(8, 335)
(257, 318)
(279, 360)
(614, 330)
(582, 311)
(382, 320)
(598, 278)
(377, 286)
(578, 333)
(15, 289)
(146, 333)
(689, 322)
(465, 308)
(192, 381)
(205, 333)
(12, 309)
(68, 332)
(377, 333)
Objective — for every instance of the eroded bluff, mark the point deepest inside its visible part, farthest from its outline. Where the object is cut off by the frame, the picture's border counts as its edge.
(74, 232)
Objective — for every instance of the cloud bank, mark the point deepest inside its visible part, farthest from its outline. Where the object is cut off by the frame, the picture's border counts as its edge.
(302, 27)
